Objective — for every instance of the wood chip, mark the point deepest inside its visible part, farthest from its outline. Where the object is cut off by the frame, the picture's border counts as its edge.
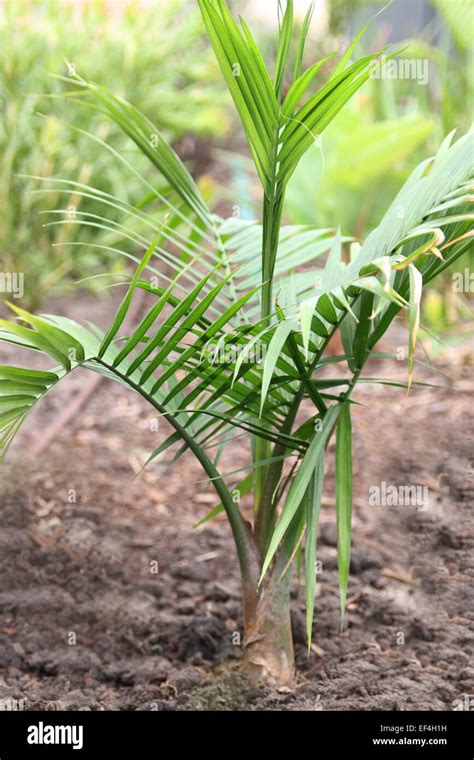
(399, 575)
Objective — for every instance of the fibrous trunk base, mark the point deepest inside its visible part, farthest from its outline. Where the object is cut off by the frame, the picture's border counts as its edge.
(269, 656)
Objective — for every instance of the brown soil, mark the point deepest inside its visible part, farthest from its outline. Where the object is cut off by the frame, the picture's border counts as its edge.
(110, 599)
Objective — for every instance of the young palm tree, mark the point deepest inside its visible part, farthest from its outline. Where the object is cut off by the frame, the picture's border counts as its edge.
(230, 286)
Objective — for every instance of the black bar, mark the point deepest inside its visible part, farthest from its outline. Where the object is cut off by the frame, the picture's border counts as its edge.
(318, 734)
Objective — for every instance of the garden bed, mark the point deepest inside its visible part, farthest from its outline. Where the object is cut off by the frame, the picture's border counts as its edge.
(110, 598)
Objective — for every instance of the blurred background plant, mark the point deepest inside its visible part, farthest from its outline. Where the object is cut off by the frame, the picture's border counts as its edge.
(154, 54)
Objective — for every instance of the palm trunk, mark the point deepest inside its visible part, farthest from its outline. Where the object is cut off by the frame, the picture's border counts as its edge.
(269, 655)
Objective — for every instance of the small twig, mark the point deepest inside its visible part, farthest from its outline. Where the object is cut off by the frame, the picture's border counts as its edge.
(67, 415)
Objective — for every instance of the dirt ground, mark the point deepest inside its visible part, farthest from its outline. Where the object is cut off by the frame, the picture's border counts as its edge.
(111, 600)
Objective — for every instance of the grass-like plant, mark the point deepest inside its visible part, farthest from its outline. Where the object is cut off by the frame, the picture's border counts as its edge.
(232, 290)
(135, 50)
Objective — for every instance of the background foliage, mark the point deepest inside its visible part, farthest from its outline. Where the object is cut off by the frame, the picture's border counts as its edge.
(156, 55)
